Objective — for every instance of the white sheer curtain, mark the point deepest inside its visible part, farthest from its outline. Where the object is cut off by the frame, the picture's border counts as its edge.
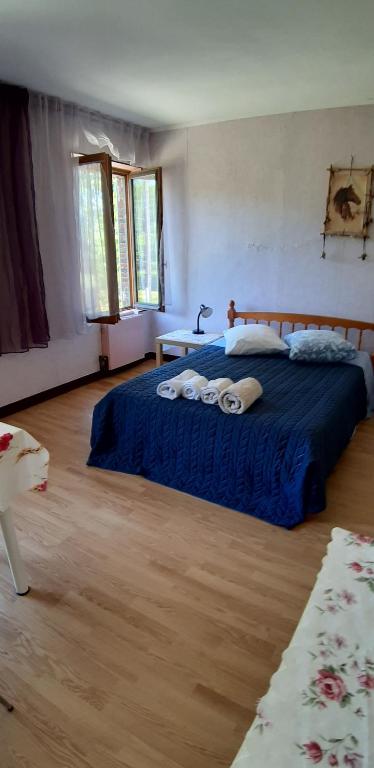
(50, 128)
(97, 242)
(94, 132)
(59, 129)
(93, 245)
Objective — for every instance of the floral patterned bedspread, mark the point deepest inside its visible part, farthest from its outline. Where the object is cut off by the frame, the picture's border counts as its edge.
(23, 464)
(319, 709)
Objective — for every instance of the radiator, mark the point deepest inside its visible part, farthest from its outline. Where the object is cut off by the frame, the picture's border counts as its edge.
(126, 341)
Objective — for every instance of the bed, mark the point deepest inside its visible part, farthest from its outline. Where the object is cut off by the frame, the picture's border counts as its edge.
(271, 462)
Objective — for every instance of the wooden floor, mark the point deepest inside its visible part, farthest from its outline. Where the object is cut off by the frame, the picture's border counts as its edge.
(155, 619)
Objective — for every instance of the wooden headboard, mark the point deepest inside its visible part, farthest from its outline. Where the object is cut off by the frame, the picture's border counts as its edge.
(293, 320)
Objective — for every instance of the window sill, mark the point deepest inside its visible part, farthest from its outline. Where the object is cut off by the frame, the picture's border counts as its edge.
(134, 312)
(127, 313)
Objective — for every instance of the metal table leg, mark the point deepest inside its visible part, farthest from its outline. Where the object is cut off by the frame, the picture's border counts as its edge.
(11, 545)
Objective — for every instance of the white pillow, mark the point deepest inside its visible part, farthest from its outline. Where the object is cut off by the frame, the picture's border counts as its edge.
(253, 340)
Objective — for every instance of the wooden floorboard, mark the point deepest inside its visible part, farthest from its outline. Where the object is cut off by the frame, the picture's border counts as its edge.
(155, 620)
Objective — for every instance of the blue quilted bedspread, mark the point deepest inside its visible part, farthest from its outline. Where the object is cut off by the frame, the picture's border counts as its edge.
(271, 462)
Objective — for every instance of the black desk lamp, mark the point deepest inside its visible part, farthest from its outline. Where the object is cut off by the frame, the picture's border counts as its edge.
(205, 312)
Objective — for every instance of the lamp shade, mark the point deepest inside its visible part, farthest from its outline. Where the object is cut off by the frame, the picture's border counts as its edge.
(204, 311)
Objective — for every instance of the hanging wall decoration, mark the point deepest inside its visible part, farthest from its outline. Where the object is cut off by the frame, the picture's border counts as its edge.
(348, 207)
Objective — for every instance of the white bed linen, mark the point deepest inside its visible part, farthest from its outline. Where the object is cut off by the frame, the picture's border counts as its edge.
(363, 360)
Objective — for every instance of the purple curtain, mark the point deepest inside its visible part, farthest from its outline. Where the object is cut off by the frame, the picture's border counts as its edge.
(23, 317)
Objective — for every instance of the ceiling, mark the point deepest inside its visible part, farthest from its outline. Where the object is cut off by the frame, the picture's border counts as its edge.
(183, 62)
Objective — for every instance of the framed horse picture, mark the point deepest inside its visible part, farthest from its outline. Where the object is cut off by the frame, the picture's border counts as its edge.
(348, 207)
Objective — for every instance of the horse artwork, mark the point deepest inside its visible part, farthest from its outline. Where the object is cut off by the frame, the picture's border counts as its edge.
(348, 209)
(342, 199)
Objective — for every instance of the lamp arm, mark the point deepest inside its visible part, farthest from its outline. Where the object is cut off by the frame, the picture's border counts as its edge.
(197, 329)
(198, 322)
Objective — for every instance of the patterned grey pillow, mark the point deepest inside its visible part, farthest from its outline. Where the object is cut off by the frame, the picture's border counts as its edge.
(319, 346)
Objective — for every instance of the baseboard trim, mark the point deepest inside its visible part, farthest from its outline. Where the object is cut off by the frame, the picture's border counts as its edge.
(61, 389)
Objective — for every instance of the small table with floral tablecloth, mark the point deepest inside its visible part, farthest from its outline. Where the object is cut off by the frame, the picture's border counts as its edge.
(23, 467)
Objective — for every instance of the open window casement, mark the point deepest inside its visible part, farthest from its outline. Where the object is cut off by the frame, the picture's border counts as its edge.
(120, 223)
(123, 234)
(146, 213)
(97, 238)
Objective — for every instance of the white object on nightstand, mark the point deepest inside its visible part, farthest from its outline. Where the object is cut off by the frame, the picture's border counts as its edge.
(184, 339)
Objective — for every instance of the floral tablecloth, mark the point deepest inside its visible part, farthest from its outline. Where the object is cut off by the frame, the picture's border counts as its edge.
(319, 709)
(23, 464)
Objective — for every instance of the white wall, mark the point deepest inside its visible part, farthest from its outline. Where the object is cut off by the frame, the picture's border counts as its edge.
(26, 374)
(31, 372)
(244, 203)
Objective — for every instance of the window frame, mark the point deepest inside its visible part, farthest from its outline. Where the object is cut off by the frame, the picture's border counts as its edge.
(112, 168)
(106, 163)
(157, 171)
(130, 249)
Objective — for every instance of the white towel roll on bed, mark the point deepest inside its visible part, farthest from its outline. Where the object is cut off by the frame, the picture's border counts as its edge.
(172, 388)
(240, 396)
(210, 394)
(191, 388)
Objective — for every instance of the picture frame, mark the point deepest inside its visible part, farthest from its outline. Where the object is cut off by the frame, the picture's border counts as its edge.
(349, 200)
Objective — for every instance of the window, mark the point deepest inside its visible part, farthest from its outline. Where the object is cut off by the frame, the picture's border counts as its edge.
(144, 193)
(120, 224)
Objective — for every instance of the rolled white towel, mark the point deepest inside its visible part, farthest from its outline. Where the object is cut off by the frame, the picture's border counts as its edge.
(192, 387)
(172, 388)
(213, 389)
(240, 396)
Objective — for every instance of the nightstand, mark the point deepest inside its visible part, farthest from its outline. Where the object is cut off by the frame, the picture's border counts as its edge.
(185, 339)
